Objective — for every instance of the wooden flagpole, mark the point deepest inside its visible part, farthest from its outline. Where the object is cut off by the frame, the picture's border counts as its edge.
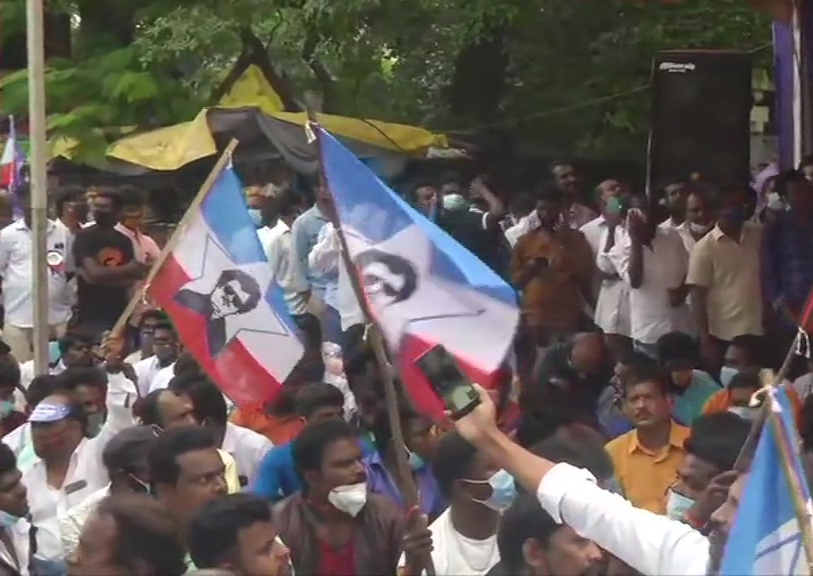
(171, 244)
(376, 339)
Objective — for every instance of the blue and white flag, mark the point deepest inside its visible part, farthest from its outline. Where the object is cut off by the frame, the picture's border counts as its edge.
(422, 287)
(765, 538)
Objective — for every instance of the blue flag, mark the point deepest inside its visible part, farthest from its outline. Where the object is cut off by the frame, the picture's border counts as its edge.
(765, 538)
(421, 286)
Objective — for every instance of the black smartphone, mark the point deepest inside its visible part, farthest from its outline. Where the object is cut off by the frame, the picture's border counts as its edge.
(448, 381)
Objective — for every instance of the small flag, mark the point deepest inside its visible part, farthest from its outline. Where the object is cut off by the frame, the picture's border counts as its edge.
(217, 287)
(422, 287)
(765, 538)
(12, 162)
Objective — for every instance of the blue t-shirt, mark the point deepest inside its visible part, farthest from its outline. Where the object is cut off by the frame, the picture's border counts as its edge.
(276, 476)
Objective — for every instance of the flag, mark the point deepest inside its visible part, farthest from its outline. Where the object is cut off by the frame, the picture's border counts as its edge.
(12, 161)
(421, 286)
(217, 287)
(765, 538)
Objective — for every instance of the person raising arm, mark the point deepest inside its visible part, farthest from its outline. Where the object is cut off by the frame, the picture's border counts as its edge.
(649, 543)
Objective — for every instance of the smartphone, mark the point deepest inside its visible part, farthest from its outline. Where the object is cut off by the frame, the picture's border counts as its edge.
(448, 381)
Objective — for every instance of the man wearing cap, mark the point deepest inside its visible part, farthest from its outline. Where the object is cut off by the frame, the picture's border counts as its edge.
(125, 458)
(69, 467)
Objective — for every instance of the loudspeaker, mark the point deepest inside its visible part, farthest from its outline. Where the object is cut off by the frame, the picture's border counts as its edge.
(701, 117)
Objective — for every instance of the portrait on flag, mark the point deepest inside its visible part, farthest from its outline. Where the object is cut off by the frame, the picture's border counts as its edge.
(218, 288)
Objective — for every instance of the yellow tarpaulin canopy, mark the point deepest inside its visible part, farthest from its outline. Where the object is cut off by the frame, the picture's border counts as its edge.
(175, 146)
(396, 137)
(252, 89)
(168, 148)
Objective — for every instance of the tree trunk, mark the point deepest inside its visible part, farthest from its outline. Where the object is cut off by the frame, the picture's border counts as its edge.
(479, 79)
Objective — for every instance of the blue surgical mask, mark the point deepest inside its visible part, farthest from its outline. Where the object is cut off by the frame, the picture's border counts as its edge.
(726, 374)
(677, 505)
(7, 520)
(416, 462)
(503, 490)
(6, 407)
(256, 217)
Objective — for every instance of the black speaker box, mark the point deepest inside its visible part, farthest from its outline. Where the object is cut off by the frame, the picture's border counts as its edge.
(701, 117)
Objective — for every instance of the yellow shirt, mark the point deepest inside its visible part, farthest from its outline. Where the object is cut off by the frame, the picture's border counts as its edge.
(232, 480)
(644, 476)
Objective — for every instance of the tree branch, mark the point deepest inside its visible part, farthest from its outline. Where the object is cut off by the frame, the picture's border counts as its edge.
(320, 71)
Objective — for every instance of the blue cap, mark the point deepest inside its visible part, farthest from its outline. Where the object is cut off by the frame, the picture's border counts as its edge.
(46, 412)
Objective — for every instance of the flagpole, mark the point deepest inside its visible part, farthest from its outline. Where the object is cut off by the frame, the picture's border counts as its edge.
(804, 512)
(193, 208)
(376, 339)
(39, 179)
(750, 445)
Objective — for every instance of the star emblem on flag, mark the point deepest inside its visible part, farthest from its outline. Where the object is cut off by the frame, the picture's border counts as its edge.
(232, 298)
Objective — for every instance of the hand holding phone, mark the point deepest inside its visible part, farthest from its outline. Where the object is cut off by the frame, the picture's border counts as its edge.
(446, 378)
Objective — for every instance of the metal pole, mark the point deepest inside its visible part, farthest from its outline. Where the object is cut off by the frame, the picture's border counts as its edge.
(39, 178)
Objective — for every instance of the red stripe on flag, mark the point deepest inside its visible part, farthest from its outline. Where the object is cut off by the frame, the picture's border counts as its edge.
(423, 396)
(806, 315)
(235, 370)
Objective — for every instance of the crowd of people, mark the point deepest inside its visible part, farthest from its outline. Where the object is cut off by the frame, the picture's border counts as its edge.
(606, 447)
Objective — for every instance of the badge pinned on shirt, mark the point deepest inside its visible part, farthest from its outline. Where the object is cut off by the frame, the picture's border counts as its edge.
(54, 258)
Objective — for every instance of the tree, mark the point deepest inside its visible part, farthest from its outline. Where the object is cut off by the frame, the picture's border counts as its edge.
(445, 63)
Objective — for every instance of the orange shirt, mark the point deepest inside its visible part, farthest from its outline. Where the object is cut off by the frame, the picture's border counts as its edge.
(553, 299)
(278, 430)
(646, 476)
(721, 401)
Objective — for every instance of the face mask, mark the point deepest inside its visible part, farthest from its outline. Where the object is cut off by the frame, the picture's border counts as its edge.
(146, 488)
(696, 228)
(7, 520)
(726, 374)
(256, 217)
(416, 462)
(774, 202)
(104, 218)
(349, 499)
(95, 423)
(677, 505)
(454, 202)
(6, 408)
(503, 491)
(745, 412)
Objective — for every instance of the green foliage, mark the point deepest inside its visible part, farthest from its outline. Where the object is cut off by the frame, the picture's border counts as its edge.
(387, 59)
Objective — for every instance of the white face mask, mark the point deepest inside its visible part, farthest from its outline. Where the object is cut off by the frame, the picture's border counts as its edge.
(349, 499)
(696, 228)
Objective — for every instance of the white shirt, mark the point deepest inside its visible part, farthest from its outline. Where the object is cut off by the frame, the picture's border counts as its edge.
(613, 304)
(20, 539)
(649, 543)
(162, 378)
(665, 266)
(71, 525)
(455, 555)
(86, 472)
(325, 257)
(526, 224)
(287, 271)
(247, 447)
(684, 317)
(146, 371)
(17, 270)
